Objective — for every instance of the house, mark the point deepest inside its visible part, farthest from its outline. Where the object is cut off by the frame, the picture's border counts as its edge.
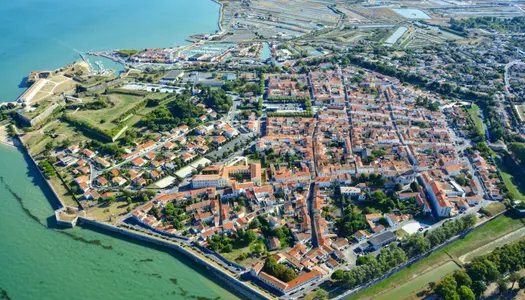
(353, 192)
(88, 153)
(101, 181)
(118, 181)
(360, 235)
(340, 244)
(453, 169)
(138, 162)
(73, 149)
(394, 219)
(273, 244)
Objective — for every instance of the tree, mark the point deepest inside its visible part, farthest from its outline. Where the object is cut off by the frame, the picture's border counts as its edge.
(462, 278)
(479, 287)
(513, 277)
(288, 275)
(321, 294)
(465, 293)
(251, 235)
(432, 286)
(338, 275)
(521, 282)
(398, 187)
(416, 244)
(414, 186)
(502, 286)
(447, 288)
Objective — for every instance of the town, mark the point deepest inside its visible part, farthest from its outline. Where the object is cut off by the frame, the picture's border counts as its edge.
(293, 164)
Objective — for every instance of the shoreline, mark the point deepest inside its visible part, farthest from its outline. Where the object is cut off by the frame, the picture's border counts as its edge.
(5, 139)
(221, 14)
(218, 271)
(240, 287)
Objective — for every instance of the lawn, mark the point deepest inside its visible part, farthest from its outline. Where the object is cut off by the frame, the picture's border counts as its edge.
(479, 237)
(103, 118)
(475, 114)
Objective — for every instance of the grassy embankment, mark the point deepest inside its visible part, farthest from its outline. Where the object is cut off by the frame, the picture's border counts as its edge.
(475, 114)
(408, 280)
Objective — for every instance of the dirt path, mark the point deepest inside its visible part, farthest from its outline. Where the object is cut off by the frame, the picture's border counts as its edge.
(509, 238)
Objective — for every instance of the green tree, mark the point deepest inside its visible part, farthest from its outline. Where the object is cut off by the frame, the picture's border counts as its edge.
(321, 294)
(414, 186)
(478, 287)
(521, 282)
(432, 286)
(502, 286)
(465, 293)
(337, 275)
(462, 278)
(447, 288)
(514, 277)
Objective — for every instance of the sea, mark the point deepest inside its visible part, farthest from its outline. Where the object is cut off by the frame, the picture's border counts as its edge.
(39, 260)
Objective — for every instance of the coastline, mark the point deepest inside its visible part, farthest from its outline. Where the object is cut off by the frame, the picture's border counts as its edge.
(221, 14)
(5, 139)
(197, 257)
(234, 283)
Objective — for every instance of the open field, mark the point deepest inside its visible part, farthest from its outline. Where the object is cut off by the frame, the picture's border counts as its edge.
(516, 189)
(103, 118)
(475, 114)
(484, 235)
(479, 237)
(108, 213)
(62, 192)
(35, 142)
(494, 208)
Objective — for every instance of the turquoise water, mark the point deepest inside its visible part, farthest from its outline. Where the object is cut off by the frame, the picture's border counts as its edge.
(266, 52)
(39, 261)
(47, 34)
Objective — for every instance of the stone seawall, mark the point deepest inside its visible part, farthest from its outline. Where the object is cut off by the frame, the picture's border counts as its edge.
(62, 205)
(231, 281)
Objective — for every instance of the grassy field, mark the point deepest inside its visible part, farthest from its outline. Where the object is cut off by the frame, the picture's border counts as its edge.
(495, 208)
(516, 189)
(62, 192)
(103, 118)
(479, 237)
(490, 232)
(110, 212)
(475, 114)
